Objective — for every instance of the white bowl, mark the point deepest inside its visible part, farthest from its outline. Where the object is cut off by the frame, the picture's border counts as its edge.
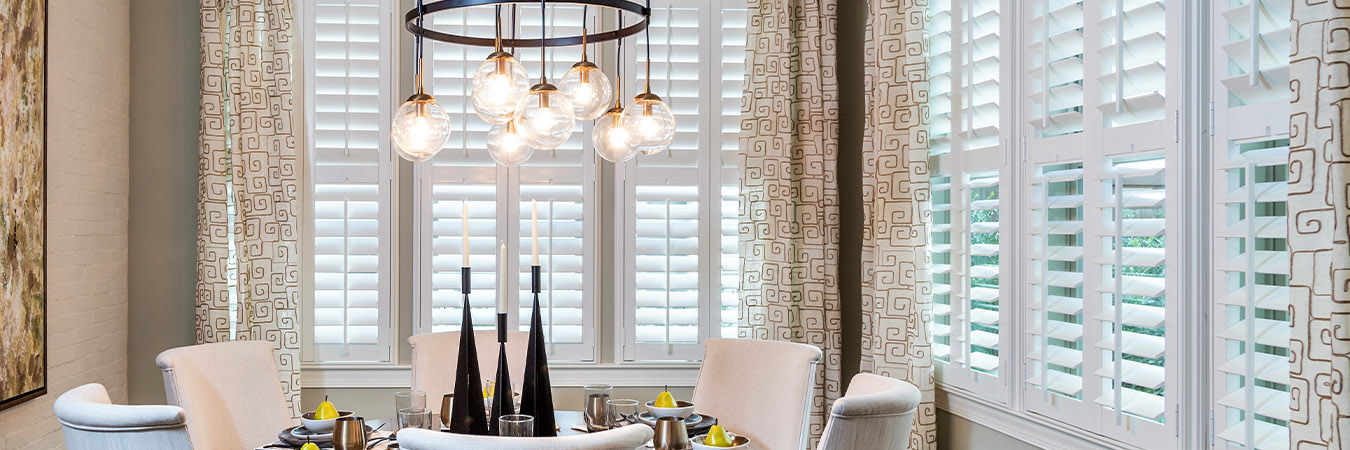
(682, 411)
(738, 442)
(321, 426)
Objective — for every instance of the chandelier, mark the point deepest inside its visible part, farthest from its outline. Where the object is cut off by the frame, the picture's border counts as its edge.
(543, 116)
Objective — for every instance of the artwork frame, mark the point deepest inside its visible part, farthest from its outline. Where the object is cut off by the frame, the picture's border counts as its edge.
(24, 203)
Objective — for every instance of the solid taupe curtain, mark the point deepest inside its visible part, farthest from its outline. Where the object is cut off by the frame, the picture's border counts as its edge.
(1319, 227)
(789, 200)
(897, 290)
(247, 231)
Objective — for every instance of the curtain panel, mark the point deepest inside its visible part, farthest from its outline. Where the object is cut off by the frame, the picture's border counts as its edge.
(897, 289)
(248, 268)
(789, 199)
(1319, 226)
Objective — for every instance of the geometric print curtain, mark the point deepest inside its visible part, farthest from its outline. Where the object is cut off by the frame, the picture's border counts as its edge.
(897, 290)
(1319, 226)
(248, 271)
(789, 199)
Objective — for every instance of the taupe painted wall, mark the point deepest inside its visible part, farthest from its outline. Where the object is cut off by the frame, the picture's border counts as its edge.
(165, 65)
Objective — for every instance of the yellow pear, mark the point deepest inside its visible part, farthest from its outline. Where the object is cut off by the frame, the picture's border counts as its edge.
(326, 411)
(717, 437)
(309, 446)
(665, 400)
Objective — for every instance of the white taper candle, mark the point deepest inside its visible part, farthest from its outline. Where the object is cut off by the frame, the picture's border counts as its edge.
(464, 230)
(501, 280)
(534, 231)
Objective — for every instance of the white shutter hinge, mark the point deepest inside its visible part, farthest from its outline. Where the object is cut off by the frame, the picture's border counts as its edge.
(1176, 418)
(1176, 126)
(1211, 428)
(1024, 149)
(1211, 119)
(1025, 375)
(1005, 152)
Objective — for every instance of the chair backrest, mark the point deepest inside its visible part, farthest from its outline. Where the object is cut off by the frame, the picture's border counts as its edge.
(759, 389)
(876, 413)
(626, 438)
(90, 421)
(435, 356)
(230, 391)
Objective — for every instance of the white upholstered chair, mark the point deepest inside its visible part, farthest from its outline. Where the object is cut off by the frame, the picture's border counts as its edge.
(876, 413)
(90, 421)
(230, 392)
(435, 356)
(759, 389)
(626, 438)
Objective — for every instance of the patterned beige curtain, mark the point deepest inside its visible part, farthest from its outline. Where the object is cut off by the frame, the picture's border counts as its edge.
(789, 197)
(248, 271)
(1319, 227)
(897, 291)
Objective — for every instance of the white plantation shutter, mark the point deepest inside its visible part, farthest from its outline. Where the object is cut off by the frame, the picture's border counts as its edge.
(348, 170)
(1099, 341)
(967, 207)
(680, 217)
(1250, 387)
(560, 180)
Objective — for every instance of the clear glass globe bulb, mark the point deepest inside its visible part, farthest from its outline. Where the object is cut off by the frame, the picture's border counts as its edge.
(650, 122)
(498, 85)
(545, 115)
(507, 146)
(588, 88)
(420, 128)
(612, 141)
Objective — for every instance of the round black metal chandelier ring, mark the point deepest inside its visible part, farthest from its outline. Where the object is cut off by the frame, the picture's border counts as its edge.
(432, 8)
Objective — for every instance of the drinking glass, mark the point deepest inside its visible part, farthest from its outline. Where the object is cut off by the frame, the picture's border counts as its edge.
(409, 399)
(623, 412)
(596, 415)
(414, 418)
(515, 425)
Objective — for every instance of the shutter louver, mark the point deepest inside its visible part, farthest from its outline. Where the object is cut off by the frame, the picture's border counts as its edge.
(731, 87)
(1251, 262)
(1056, 72)
(1133, 288)
(1134, 56)
(1056, 279)
(350, 190)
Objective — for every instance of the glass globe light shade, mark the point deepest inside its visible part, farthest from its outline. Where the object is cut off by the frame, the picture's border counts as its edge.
(506, 144)
(588, 88)
(420, 128)
(545, 117)
(612, 140)
(498, 85)
(650, 123)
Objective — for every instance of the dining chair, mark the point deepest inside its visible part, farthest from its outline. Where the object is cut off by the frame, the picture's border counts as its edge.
(90, 421)
(435, 356)
(759, 389)
(625, 438)
(876, 413)
(230, 392)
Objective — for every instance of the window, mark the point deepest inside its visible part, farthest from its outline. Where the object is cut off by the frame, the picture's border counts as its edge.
(349, 180)
(675, 283)
(1066, 212)
(1250, 388)
(968, 205)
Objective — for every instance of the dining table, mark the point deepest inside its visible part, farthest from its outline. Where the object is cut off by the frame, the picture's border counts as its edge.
(566, 420)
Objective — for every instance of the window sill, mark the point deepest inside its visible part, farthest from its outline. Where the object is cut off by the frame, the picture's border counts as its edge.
(1021, 425)
(341, 376)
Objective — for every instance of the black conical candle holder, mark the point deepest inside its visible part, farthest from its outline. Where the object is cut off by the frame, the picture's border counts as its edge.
(466, 408)
(503, 400)
(536, 397)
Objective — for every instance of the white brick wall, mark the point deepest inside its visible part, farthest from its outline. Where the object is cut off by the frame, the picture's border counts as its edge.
(87, 96)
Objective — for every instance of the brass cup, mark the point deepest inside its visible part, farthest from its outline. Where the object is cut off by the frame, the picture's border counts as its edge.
(446, 403)
(671, 434)
(349, 433)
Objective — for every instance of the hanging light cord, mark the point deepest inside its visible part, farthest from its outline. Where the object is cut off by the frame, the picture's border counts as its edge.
(647, 32)
(543, 41)
(618, 57)
(421, 34)
(584, 11)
